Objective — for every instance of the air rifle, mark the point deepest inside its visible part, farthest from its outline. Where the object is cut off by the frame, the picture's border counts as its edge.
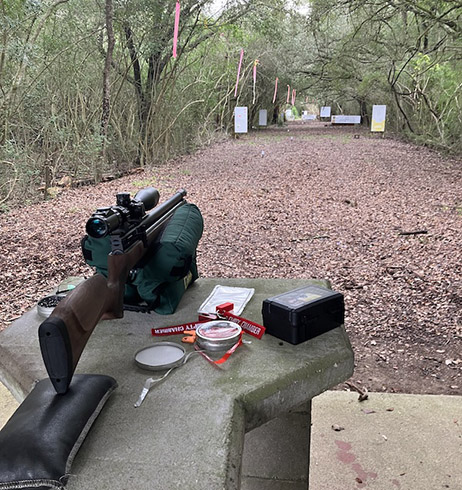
(64, 334)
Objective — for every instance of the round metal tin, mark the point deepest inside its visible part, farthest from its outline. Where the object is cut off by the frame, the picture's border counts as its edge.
(218, 335)
(46, 305)
(160, 356)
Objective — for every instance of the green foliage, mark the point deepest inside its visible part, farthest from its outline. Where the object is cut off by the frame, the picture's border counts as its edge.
(403, 54)
(347, 54)
(140, 184)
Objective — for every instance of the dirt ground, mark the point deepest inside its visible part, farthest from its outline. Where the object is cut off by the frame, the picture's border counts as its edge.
(379, 218)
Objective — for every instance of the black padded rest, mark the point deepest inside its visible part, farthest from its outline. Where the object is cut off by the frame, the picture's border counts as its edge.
(39, 442)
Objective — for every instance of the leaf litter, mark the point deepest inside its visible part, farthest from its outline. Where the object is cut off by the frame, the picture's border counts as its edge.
(315, 202)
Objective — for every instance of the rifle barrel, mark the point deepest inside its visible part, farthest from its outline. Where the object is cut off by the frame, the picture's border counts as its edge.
(164, 208)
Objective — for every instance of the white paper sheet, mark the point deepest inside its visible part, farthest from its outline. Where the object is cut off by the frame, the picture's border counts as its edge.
(224, 294)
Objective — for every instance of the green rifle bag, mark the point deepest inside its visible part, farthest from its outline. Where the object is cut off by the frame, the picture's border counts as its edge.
(160, 279)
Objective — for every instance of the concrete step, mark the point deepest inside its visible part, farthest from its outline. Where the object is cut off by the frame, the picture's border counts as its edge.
(388, 442)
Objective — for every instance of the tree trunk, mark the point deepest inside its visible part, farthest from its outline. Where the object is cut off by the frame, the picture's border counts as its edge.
(140, 94)
(363, 112)
(106, 106)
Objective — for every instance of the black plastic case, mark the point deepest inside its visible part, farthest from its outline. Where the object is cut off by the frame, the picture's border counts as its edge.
(303, 313)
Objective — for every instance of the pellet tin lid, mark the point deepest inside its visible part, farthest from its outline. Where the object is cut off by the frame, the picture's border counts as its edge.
(160, 356)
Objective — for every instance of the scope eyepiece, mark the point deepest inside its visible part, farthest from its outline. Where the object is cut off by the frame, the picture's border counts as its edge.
(96, 227)
(104, 222)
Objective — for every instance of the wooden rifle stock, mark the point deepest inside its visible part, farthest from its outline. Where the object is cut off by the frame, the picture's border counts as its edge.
(64, 334)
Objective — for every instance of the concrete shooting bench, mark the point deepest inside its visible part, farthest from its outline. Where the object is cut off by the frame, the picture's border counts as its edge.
(244, 425)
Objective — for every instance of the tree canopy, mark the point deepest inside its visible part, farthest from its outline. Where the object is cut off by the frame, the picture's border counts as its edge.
(90, 87)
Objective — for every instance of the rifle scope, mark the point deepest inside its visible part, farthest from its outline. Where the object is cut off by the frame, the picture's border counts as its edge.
(107, 220)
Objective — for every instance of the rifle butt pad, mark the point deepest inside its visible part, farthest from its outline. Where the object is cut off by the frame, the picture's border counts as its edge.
(56, 351)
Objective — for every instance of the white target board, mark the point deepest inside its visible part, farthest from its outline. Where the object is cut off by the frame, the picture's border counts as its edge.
(263, 117)
(341, 119)
(240, 120)
(325, 111)
(309, 117)
(378, 118)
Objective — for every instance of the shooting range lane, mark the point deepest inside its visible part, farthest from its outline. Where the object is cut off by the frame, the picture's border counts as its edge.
(189, 431)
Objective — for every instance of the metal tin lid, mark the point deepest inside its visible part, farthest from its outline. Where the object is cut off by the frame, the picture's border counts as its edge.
(160, 356)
